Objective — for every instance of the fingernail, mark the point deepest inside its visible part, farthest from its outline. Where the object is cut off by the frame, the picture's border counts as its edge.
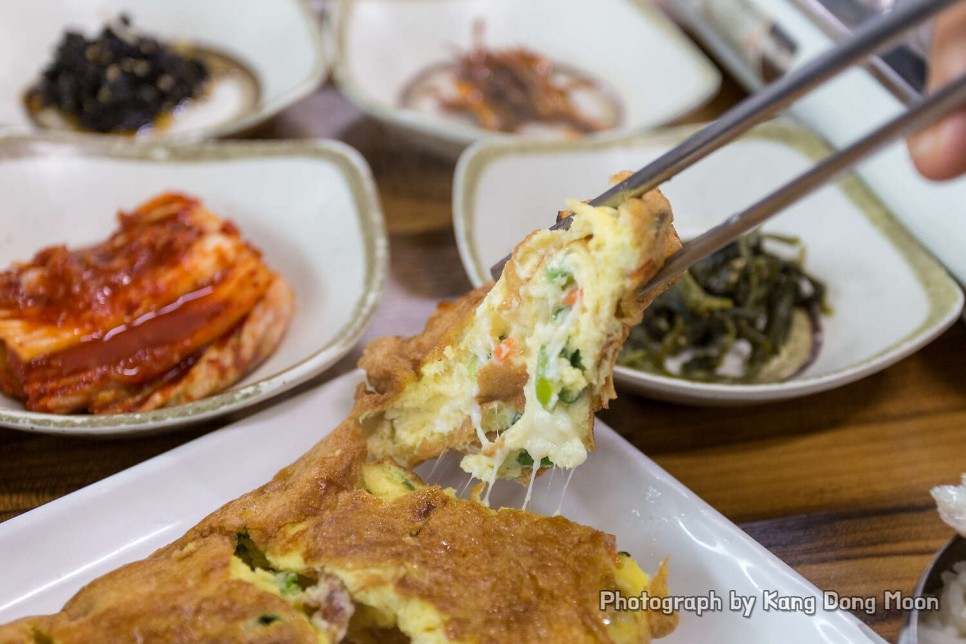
(949, 63)
(927, 143)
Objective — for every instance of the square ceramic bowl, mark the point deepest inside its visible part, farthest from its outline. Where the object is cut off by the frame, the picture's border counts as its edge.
(888, 296)
(637, 54)
(278, 54)
(309, 206)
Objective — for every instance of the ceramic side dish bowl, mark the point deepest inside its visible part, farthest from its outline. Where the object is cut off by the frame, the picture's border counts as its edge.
(649, 69)
(277, 55)
(888, 296)
(309, 206)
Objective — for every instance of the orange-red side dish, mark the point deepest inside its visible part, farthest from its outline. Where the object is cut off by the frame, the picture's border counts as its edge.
(503, 90)
(175, 305)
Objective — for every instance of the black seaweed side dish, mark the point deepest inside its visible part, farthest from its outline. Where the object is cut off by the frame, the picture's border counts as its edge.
(119, 82)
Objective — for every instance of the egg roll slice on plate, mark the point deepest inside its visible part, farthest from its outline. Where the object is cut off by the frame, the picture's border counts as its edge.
(341, 548)
(512, 373)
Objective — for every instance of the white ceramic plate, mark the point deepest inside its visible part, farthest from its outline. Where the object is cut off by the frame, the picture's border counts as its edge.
(656, 73)
(70, 541)
(280, 46)
(311, 207)
(889, 296)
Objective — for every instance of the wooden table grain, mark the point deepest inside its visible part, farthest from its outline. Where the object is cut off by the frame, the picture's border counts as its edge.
(835, 484)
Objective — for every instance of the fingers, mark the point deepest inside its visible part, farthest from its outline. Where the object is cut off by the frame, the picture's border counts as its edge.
(939, 151)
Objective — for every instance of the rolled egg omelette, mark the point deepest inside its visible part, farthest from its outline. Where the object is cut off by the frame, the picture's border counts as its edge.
(340, 548)
(512, 373)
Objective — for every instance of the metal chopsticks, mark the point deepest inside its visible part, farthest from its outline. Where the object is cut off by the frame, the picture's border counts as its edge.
(766, 103)
(922, 113)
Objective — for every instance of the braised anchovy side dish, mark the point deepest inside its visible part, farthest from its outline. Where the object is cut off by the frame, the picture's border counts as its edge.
(505, 89)
(174, 306)
(119, 82)
(513, 90)
(511, 374)
(743, 315)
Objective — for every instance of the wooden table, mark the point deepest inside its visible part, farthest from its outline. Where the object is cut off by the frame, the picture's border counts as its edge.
(835, 484)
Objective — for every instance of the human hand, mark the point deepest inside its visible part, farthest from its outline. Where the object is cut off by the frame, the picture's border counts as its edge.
(939, 151)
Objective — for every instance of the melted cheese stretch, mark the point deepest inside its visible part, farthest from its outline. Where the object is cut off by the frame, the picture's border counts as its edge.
(568, 309)
(559, 317)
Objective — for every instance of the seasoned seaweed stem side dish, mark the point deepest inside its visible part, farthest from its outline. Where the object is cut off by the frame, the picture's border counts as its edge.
(120, 82)
(732, 317)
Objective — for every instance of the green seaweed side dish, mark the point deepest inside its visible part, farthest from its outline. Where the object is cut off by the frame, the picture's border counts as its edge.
(743, 315)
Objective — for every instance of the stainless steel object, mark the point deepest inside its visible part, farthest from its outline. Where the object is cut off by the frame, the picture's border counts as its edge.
(931, 583)
(923, 113)
(764, 104)
(901, 69)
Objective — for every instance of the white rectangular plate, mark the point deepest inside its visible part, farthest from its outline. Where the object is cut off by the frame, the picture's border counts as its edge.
(55, 549)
